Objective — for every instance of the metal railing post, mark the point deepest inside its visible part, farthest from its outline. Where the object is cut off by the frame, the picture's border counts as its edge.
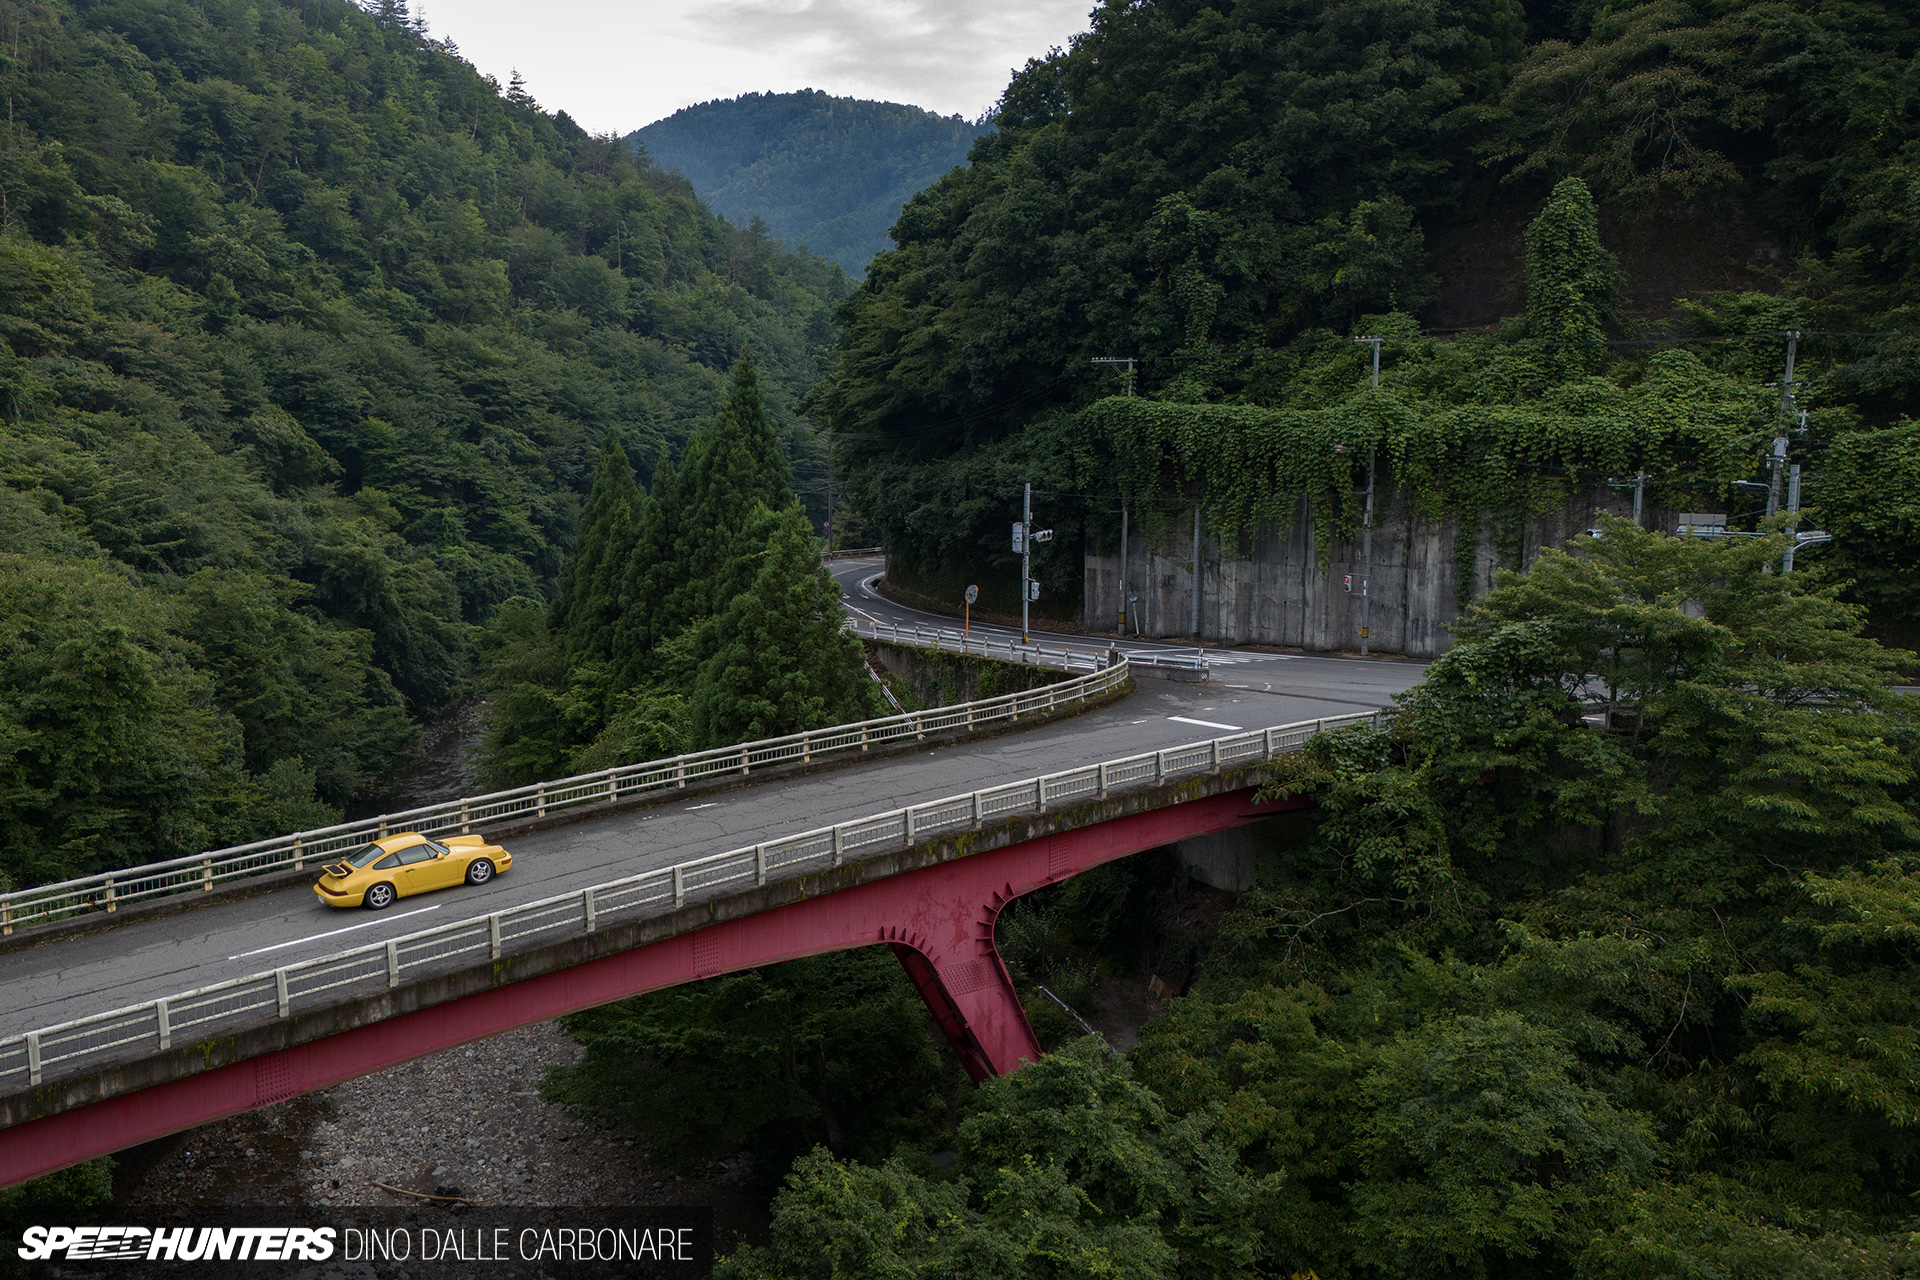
(586, 907)
(907, 817)
(539, 805)
(466, 819)
(393, 963)
(679, 887)
(299, 861)
(1160, 766)
(1040, 795)
(1103, 780)
(280, 990)
(760, 865)
(33, 1057)
(111, 905)
(743, 759)
(163, 1024)
(613, 786)
(206, 875)
(6, 917)
(680, 771)
(806, 748)
(1215, 744)
(493, 936)
(839, 844)
(979, 810)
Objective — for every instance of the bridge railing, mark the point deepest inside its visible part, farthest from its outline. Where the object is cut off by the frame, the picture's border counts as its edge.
(204, 872)
(987, 646)
(224, 1008)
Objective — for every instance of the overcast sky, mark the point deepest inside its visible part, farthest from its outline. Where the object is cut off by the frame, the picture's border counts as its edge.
(615, 66)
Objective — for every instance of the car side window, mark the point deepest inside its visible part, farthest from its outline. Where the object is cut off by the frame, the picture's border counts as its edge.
(387, 863)
(415, 853)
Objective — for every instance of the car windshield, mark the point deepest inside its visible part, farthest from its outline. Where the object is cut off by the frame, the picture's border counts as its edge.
(362, 856)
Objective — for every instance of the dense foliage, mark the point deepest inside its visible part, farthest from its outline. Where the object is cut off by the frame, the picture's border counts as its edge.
(310, 337)
(1231, 194)
(1529, 997)
(698, 614)
(814, 170)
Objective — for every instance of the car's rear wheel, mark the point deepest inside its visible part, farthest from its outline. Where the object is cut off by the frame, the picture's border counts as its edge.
(379, 897)
(479, 871)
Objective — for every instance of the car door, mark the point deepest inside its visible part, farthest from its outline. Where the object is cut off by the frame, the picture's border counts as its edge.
(416, 872)
(443, 869)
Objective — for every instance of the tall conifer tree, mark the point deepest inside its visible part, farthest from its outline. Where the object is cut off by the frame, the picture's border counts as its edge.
(587, 608)
(732, 465)
(778, 661)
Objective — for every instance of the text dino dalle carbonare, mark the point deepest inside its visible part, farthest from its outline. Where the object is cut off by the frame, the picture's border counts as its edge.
(318, 1244)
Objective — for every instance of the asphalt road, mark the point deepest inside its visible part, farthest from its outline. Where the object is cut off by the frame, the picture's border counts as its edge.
(69, 978)
(1239, 669)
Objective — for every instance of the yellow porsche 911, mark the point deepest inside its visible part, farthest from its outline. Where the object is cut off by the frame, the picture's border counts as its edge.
(374, 875)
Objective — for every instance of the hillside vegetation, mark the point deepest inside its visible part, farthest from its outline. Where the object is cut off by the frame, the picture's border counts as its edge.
(311, 338)
(1231, 194)
(815, 170)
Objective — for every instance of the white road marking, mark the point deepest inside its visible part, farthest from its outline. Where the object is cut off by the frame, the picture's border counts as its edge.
(334, 933)
(1204, 724)
(708, 805)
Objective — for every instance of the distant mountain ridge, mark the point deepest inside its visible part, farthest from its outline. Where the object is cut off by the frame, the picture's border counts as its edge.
(829, 173)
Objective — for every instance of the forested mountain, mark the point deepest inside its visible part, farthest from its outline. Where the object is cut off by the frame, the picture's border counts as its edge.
(312, 336)
(1230, 194)
(827, 173)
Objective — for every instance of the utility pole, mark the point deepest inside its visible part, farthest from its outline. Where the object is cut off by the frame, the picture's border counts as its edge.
(1639, 488)
(1778, 462)
(1121, 625)
(1366, 526)
(1125, 360)
(1793, 526)
(1026, 560)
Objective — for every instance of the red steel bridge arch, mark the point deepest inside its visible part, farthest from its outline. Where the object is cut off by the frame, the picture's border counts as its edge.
(939, 920)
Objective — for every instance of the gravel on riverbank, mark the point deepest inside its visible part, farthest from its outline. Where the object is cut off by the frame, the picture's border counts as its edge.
(465, 1122)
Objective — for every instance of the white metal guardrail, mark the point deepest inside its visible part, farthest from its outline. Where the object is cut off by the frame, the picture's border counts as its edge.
(224, 1008)
(986, 646)
(204, 872)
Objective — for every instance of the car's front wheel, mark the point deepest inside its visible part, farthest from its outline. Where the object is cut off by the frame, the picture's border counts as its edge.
(379, 897)
(479, 871)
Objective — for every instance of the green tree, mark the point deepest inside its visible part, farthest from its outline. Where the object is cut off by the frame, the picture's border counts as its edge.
(587, 606)
(780, 661)
(732, 467)
(1572, 283)
(1068, 1167)
(835, 1050)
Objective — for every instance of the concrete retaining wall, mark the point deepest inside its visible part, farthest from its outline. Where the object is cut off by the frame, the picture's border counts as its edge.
(1270, 589)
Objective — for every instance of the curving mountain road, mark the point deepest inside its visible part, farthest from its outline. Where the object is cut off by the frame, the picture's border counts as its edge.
(142, 960)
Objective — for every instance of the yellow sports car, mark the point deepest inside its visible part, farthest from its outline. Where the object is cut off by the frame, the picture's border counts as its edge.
(374, 875)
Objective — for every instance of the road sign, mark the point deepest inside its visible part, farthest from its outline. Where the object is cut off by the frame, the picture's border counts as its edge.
(973, 594)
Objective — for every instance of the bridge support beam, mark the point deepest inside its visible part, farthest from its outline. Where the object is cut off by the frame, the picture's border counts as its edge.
(939, 919)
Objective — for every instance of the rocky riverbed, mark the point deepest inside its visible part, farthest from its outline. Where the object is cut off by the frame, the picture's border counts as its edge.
(468, 1122)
